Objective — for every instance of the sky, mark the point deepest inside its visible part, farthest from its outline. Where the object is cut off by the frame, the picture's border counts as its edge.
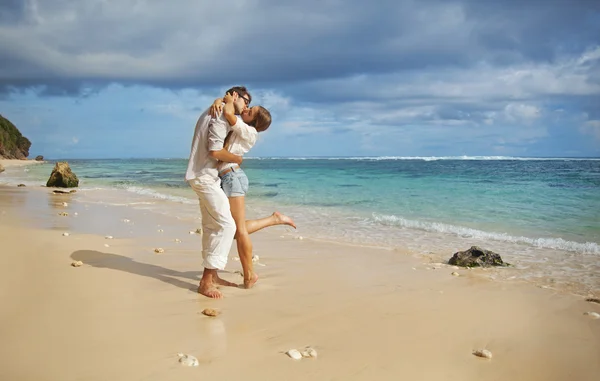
(129, 78)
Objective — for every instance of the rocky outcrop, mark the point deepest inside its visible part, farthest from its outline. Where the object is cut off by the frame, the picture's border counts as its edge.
(476, 257)
(13, 145)
(39, 158)
(62, 176)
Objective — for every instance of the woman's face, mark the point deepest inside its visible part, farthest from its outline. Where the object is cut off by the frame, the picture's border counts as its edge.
(249, 114)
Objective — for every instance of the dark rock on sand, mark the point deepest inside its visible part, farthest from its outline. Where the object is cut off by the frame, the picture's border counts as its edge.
(62, 176)
(476, 257)
(593, 300)
(39, 158)
(21, 185)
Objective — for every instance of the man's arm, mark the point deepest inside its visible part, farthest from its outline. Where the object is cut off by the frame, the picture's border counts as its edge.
(217, 131)
(226, 156)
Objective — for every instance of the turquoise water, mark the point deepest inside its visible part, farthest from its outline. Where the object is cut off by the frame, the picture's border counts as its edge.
(531, 209)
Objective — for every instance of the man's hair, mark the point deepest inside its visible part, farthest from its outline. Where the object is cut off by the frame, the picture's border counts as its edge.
(241, 90)
(262, 120)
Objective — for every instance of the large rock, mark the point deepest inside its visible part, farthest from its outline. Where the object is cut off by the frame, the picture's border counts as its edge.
(476, 257)
(13, 145)
(39, 158)
(62, 176)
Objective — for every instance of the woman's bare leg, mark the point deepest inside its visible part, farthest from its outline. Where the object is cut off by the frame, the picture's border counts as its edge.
(275, 219)
(244, 244)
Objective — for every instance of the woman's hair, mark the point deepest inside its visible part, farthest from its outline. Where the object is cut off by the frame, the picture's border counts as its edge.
(262, 120)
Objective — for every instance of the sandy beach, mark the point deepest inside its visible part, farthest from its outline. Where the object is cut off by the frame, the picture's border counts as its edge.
(7, 163)
(371, 314)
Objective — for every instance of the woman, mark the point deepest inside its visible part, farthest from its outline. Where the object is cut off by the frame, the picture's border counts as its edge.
(243, 136)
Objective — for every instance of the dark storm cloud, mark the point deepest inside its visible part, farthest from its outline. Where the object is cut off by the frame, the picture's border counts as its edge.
(68, 44)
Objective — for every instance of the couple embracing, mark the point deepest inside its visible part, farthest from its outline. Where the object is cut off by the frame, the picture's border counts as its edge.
(224, 133)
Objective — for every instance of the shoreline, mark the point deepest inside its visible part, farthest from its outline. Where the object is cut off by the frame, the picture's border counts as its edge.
(370, 313)
(8, 163)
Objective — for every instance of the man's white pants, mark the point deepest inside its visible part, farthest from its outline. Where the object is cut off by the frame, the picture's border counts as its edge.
(218, 226)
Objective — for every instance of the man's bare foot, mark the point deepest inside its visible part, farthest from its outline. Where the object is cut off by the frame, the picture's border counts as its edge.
(282, 219)
(248, 283)
(208, 289)
(217, 281)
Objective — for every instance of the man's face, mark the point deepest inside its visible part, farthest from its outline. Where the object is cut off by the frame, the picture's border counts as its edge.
(240, 103)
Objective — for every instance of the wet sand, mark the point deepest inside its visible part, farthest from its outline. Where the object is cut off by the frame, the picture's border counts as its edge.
(371, 314)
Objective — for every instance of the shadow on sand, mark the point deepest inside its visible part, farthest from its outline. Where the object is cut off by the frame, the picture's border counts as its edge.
(126, 264)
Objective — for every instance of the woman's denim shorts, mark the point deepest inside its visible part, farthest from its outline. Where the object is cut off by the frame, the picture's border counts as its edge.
(235, 183)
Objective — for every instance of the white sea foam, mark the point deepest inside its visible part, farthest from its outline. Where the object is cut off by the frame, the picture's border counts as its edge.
(431, 158)
(154, 194)
(548, 243)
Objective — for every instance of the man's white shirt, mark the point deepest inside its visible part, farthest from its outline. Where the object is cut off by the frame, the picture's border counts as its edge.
(209, 135)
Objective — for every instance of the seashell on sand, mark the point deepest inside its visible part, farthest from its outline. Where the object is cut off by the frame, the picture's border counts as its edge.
(187, 360)
(593, 300)
(454, 273)
(65, 204)
(159, 250)
(309, 352)
(76, 263)
(593, 315)
(483, 353)
(65, 234)
(211, 312)
(108, 237)
(294, 353)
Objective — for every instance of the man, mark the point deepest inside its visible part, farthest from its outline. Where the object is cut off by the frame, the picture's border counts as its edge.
(218, 226)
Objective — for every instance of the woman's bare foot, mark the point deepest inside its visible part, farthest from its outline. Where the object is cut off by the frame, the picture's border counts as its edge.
(209, 289)
(282, 219)
(217, 281)
(248, 283)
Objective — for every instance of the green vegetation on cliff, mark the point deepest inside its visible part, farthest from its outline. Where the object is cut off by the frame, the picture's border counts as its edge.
(13, 145)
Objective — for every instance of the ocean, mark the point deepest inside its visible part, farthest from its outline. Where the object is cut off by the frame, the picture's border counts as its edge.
(540, 214)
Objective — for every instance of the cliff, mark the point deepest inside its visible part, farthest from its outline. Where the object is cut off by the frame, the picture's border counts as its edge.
(13, 145)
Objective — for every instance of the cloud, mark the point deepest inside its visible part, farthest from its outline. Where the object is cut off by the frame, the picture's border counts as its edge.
(398, 76)
(592, 128)
(192, 44)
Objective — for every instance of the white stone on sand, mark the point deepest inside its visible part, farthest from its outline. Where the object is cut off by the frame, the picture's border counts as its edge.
(188, 360)
(76, 263)
(309, 352)
(294, 353)
(159, 250)
(483, 353)
(65, 234)
(593, 315)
